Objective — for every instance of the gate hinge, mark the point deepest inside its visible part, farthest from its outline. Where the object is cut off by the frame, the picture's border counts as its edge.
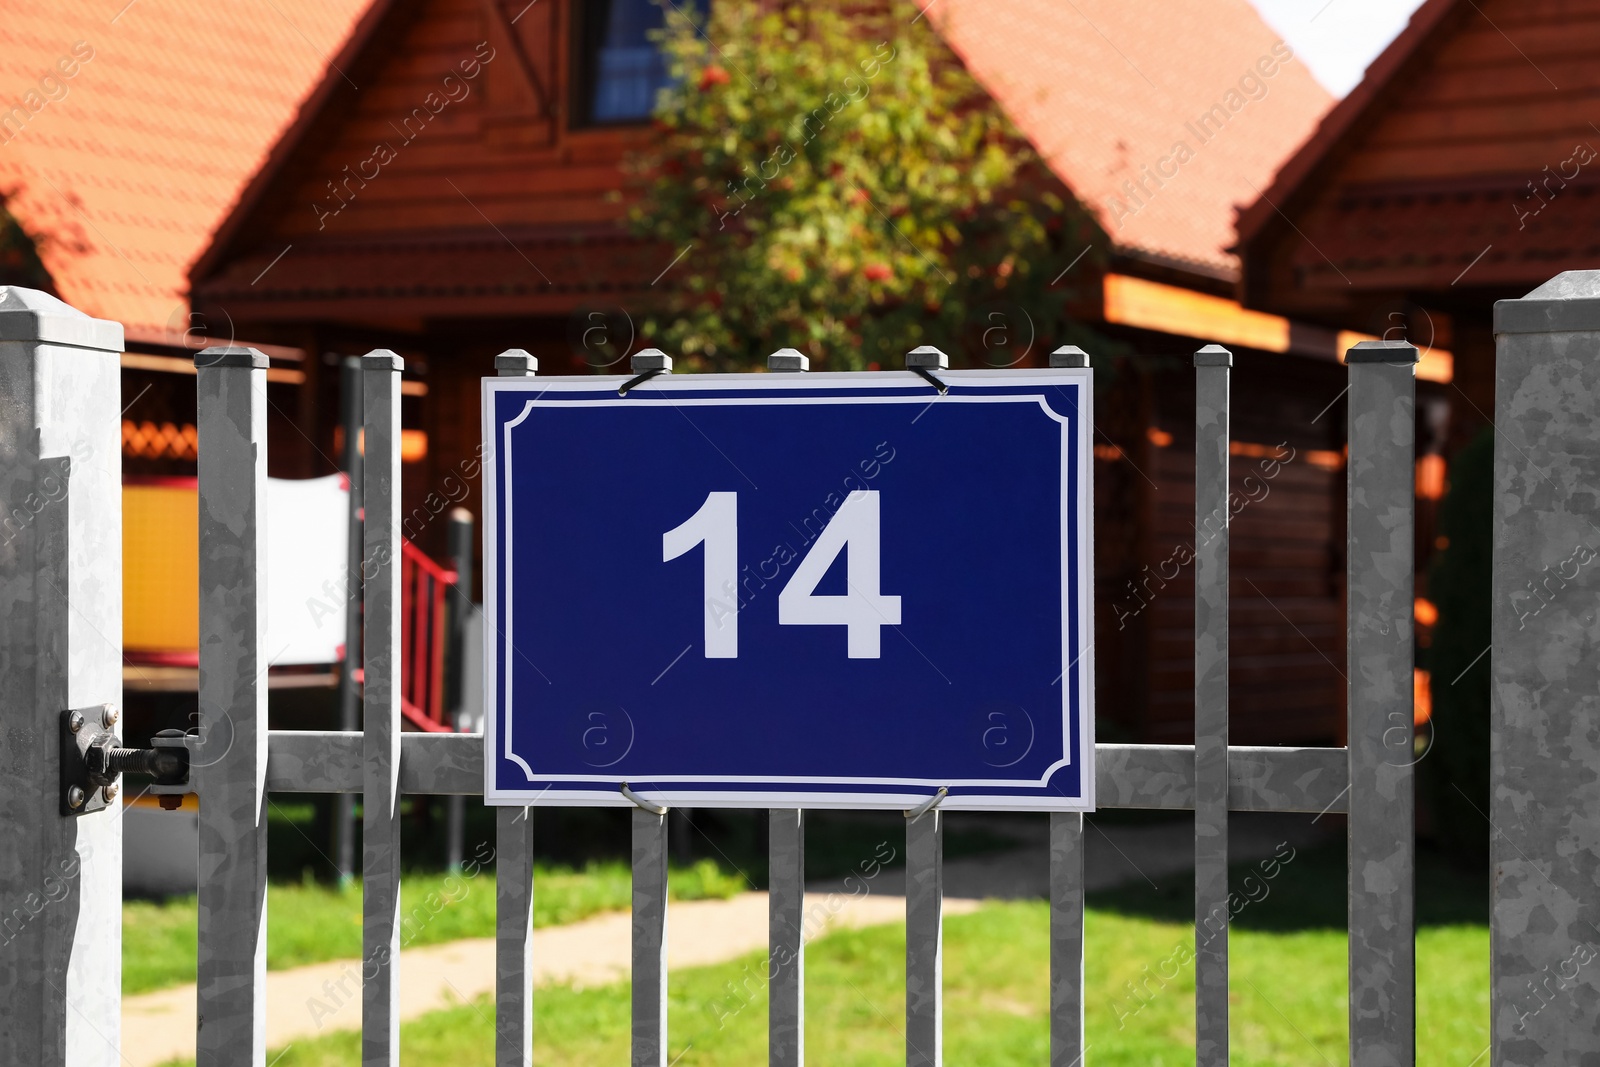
(92, 759)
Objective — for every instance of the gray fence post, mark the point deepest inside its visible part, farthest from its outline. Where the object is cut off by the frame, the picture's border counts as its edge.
(649, 938)
(786, 942)
(380, 720)
(513, 950)
(1066, 939)
(344, 805)
(1544, 796)
(1066, 892)
(925, 940)
(786, 887)
(60, 648)
(1213, 368)
(231, 757)
(459, 613)
(1382, 864)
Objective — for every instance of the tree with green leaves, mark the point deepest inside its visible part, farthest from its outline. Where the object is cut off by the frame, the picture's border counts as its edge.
(843, 186)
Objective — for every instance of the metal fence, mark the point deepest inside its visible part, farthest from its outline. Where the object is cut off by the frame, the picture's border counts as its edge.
(1371, 780)
(237, 762)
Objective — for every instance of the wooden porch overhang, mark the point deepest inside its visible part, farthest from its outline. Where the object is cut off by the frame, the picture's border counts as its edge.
(1434, 237)
(491, 273)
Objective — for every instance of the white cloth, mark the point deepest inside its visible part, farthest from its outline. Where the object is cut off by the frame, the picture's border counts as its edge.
(308, 537)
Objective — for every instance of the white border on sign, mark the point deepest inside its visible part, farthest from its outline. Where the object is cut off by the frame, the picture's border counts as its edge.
(657, 388)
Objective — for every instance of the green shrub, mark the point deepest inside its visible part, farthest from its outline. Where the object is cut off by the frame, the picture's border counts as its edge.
(833, 180)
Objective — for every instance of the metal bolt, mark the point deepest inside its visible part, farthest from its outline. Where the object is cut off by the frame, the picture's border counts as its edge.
(110, 715)
(75, 797)
(75, 722)
(110, 792)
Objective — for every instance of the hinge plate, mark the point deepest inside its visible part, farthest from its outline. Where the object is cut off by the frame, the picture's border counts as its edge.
(92, 722)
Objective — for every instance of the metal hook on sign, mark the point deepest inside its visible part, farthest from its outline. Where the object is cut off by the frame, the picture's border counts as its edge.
(924, 361)
(638, 379)
(653, 809)
(928, 805)
(646, 365)
(923, 372)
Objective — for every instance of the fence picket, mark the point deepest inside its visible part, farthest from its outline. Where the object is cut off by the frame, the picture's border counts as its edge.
(1211, 514)
(1066, 892)
(1379, 771)
(380, 802)
(649, 938)
(1380, 659)
(1066, 939)
(786, 966)
(230, 762)
(513, 930)
(925, 940)
(350, 407)
(513, 937)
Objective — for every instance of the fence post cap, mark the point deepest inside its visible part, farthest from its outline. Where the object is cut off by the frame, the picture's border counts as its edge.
(788, 359)
(231, 356)
(650, 359)
(1213, 356)
(1069, 356)
(382, 359)
(1382, 352)
(928, 358)
(1569, 285)
(1567, 303)
(31, 315)
(515, 362)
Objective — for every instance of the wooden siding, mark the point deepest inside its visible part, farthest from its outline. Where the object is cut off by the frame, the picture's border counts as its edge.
(489, 154)
(1286, 614)
(1438, 172)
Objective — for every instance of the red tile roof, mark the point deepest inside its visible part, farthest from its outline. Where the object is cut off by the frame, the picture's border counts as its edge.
(1105, 88)
(124, 169)
(127, 172)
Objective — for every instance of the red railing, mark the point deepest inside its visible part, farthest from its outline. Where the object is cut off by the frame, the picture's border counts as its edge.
(423, 638)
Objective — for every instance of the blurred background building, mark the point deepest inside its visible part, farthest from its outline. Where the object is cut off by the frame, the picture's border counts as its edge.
(449, 179)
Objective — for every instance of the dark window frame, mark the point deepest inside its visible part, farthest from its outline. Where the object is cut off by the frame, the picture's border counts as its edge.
(588, 27)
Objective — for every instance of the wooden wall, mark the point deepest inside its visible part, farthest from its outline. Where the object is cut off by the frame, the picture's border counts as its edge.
(501, 151)
(1286, 555)
(1474, 174)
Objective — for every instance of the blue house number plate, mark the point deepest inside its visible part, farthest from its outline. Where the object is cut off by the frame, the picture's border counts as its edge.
(790, 590)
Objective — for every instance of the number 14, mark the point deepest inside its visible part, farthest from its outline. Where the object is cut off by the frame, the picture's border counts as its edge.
(855, 528)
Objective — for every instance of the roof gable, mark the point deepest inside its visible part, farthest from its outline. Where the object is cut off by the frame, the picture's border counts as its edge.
(1161, 116)
(1463, 166)
(123, 168)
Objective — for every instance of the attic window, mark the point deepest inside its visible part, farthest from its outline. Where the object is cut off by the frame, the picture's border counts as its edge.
(619, 66)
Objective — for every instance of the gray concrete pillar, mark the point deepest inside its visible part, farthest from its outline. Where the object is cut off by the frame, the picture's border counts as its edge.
(60, 648)
(1544, 806)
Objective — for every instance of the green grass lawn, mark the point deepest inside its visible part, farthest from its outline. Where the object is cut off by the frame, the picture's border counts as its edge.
(1288, 975)
(1288, 988)
(310, 922)
(1288, 1002)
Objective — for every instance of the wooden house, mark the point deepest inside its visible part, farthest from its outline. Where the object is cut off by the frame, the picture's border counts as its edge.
(452, 185)
(1462, 170)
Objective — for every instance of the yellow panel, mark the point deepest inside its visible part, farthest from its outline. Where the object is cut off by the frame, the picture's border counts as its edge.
(1169, 309)
(160, 568)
